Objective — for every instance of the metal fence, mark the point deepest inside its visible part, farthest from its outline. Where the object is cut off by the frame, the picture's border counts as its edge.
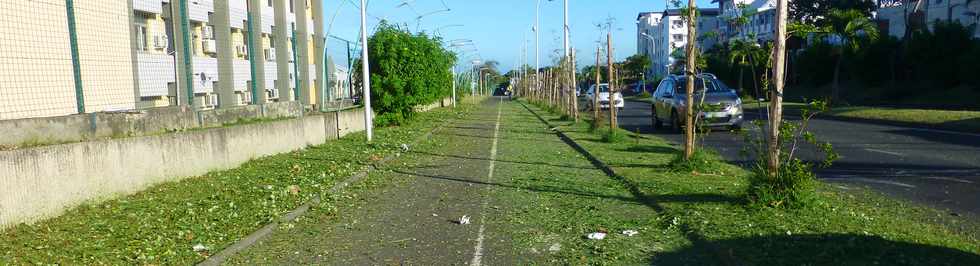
(62, 57)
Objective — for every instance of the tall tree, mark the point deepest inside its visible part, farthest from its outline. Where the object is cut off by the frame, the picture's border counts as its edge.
(779, 81)
(849, 27)
(691, 70)
(814, 11)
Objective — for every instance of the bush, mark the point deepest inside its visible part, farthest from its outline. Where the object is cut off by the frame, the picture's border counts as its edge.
(793, 187)
(702, 161)
(407, 70)
(612, 135)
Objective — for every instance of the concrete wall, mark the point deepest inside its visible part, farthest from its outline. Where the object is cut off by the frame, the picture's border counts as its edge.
(42, 182)
(82, 127)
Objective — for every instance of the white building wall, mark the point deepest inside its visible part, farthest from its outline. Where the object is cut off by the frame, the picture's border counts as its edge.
(155, 72)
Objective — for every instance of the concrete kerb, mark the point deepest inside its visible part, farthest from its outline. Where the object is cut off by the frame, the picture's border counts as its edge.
(269, 228)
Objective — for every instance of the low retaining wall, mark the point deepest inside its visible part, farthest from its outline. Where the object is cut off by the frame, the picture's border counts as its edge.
(94, 126)
(41, 182)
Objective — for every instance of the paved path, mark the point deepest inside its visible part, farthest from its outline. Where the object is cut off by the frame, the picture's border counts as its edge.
(415, 221)
(938, 168)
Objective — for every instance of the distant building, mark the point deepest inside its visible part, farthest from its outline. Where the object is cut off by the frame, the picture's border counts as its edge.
(761, 19)
(123, 54)
(662, 36)
(892, 14)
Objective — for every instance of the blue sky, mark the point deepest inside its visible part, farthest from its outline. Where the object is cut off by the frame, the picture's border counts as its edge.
(497, 27)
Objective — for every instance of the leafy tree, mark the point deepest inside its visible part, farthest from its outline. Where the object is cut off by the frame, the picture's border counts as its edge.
(815, 11)
(853, 30)
(634, 67)
(407, 70)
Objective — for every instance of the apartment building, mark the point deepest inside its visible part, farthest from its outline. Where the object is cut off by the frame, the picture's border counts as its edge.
(892, 14)
(662, 36)
(761, 15)
(113, 55)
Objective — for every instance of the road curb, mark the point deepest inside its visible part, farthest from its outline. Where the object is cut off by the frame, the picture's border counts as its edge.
(269, 228)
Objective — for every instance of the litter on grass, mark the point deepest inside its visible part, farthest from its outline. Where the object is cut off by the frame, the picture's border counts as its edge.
(200, 248)
(464, 220)
(630, 232)
(597, 236)
(405, 147)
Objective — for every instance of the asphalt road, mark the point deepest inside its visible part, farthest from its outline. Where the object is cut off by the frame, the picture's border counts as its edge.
(937, 168)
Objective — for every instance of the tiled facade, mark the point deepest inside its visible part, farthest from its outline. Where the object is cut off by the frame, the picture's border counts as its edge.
(127, 54)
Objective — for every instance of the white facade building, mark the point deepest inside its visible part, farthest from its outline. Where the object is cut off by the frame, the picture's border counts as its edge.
(662, 35)
(760, 21)
(892, 14)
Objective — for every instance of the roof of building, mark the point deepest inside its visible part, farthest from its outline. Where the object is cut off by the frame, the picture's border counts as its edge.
(677, 12)
(704, 11)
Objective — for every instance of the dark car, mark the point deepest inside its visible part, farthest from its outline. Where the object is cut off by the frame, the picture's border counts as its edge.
(720, 106)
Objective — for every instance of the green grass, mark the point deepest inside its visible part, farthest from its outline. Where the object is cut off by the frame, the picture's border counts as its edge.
(704, 218)
(161, 224)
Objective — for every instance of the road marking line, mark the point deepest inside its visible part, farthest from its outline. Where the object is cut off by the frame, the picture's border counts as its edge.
(949, 179)
(886, 152)
(478, 250)
(886, 182)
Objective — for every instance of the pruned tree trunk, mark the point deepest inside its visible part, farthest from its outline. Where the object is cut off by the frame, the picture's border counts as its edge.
(778, 76)
(574, 87)
(596, 115)
(612, 88)
(691, 64)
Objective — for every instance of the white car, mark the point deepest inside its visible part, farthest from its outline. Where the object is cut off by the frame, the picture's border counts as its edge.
(604, 97)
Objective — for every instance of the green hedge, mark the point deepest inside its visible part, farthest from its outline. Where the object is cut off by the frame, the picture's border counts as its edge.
(407, 70)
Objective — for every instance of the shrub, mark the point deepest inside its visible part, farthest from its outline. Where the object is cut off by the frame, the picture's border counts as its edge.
(792, 186)
(702, 161)
(407, 70)
(612, 135)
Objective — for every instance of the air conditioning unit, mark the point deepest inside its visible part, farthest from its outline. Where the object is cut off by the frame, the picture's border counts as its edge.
(210, 46)
(208, 32)
(160, 41)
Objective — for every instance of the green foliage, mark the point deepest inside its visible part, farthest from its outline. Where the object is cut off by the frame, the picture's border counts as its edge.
(611, 135)
(815, 11)
(634, 67)
(928, 68)
(407, 70)
(702, 161)
(792, 186)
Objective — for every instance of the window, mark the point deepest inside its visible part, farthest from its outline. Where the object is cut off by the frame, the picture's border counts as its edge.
(141, 38)
(270, 3)
(291, 7)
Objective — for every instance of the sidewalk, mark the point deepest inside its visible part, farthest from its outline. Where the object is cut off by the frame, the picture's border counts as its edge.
(414, 221)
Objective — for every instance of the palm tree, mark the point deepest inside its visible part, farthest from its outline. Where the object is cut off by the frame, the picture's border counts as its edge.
(849, 27)
(745, 53)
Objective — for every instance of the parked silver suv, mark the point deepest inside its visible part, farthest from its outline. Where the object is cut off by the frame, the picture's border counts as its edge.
(721, 106)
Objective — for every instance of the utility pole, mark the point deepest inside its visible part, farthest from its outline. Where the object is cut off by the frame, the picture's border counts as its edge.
(612, 89)
(366, 74)
(691, 64)
(779, 68)
(537, 51)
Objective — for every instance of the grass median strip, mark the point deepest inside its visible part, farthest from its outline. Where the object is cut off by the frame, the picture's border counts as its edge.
(184, 222)
(709, 211)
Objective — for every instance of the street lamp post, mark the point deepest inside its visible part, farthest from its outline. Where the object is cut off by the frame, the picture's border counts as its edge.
(366, 74)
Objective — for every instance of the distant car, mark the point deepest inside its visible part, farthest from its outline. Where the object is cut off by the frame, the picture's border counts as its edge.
(721, 106)
(617, 98)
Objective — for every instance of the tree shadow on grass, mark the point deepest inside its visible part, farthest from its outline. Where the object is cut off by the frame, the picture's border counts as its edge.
(819, 249)
(649, 149)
